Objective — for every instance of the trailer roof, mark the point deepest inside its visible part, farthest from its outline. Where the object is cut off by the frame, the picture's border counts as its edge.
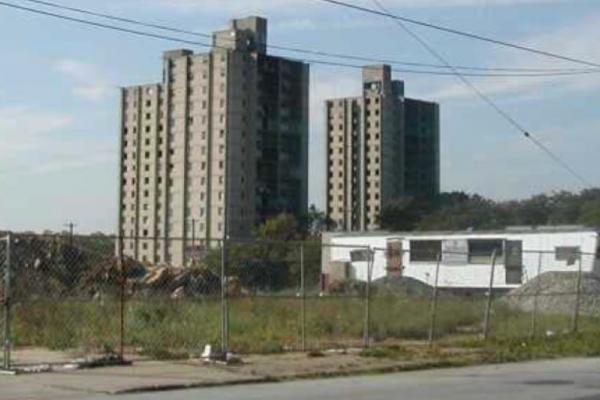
(507, 230)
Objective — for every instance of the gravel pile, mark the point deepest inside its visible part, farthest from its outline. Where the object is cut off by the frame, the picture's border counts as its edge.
(556, 293)
(402, 285)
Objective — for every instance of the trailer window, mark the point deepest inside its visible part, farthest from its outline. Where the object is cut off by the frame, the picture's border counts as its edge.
(425, 250)
(570, 254)
(481, 250)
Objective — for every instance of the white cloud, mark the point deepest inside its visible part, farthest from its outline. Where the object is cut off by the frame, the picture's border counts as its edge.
(22, 127)
(28, 121)
(24, 132)
(32, 141)
(293, 5)
(467, 3)
(577, 40)
(89, 83)
(298, 24)
(75, 161)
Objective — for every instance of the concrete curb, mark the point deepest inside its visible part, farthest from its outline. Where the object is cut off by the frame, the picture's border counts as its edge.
(297, 377)
(198, 385)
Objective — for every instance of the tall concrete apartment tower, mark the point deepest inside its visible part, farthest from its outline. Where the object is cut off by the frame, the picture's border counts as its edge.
(381, 146)
(218, 146)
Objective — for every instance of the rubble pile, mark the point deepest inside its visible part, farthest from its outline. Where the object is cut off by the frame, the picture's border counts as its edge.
(556, 293)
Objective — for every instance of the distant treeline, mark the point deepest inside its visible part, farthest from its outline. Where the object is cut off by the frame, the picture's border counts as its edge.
(459, 211)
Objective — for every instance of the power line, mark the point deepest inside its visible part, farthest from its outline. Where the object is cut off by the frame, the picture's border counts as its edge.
(461, 33)
(311, 61)
(449, 73)
(454, 70)
(511, 120)
(305, 51)
(101, 25)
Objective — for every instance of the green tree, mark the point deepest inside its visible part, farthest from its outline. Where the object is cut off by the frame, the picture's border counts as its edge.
(314, 223)
(590, 213)
(403, 214)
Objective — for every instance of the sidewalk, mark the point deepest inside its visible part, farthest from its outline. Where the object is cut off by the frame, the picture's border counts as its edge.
(158, 375)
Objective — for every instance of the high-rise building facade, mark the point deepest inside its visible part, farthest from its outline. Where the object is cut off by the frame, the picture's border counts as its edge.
(381, 146)
(220, 144)
(422, 148)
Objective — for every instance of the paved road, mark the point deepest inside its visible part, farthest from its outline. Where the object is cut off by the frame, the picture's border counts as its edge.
(574, 379)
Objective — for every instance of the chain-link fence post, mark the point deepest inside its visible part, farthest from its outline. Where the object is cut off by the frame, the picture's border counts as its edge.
(122, 289)
(302, 300)
(224, 300)
(7, 301)
(536, 293)
(488, 305)
(434, 301)
(367, 322)
(576, 306)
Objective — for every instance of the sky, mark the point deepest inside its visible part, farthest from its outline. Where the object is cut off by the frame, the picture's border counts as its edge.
(59, 85)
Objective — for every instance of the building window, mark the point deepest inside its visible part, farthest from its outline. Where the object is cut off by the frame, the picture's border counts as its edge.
(570, 254)
(480, 250)
(425, 250)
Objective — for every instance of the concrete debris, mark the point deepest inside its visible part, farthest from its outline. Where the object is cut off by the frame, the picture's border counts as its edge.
(556, 293)
(158, 277)
(108, 360)
(33, 369)
(178, 294)
(211, 356)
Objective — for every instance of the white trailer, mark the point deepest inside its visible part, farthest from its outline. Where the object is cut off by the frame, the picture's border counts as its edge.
(465, 257)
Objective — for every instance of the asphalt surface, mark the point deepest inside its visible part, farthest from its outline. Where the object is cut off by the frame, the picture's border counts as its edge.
(573, 379)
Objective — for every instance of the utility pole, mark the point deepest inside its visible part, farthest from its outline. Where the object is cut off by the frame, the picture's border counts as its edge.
(70, 225)
(225, 237)
(193, 233)
(190, 251)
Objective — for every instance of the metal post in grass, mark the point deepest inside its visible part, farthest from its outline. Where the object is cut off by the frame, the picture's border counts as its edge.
(535, 296)
(224, 302)
(302, 300)
(367, 322)
(434, 300)
(123, 283)
(7, 299)
(575, 319)
(488, 306)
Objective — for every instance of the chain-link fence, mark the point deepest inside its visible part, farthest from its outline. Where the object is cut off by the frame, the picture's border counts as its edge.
(154, 298)
(4, 295)
(65, 296)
